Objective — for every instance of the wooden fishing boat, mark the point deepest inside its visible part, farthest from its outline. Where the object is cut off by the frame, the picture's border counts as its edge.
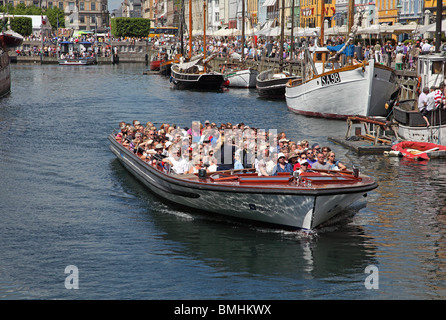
(196, 73)
(156, 60)
(241, 78)
(332, 90)
(166, 66)
(411, 124)
(271, 84)
(284, 201)
(419, 150)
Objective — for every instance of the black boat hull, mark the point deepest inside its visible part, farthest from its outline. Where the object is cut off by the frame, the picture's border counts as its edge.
(206, 81)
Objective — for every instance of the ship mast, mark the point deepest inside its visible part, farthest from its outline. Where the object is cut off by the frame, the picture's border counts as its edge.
(190, 29)
(204, 33)
(282, 31)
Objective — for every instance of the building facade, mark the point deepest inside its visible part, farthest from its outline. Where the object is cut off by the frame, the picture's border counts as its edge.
(79, 14)
(311, 13)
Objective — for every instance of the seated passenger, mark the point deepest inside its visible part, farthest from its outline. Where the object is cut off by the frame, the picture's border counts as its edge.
(334, 164)
(198, 164)
(320, 163)
(303, 167)
(265, 165)
(237, 163)
(282, 166)
(178, 163)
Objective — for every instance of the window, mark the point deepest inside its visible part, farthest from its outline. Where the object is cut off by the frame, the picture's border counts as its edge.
(81, 6)
(93, 19)
(81, 19)
(50, 4)
(437, 67)
(93, 6)
(61, 5)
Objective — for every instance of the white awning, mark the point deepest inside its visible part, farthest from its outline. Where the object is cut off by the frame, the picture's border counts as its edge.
(269, 3)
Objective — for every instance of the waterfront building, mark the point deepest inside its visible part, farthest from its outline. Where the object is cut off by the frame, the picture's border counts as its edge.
(388, 11)
(366, 6)
(413, 10)
(430, 9)
(310, 13)
(79, 15)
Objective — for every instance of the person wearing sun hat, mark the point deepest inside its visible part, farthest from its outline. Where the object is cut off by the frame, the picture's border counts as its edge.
(282, 165)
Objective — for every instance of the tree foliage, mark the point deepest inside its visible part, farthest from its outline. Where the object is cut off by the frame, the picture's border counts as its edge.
(130, 27)
(22, 25)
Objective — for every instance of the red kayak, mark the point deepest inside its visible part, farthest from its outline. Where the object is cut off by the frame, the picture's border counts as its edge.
(417, 150)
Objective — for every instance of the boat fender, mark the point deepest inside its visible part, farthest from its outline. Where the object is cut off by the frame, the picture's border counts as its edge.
(392, 153)
(419, 84)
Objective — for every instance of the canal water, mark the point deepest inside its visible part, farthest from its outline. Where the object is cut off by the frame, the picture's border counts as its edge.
(72, 216)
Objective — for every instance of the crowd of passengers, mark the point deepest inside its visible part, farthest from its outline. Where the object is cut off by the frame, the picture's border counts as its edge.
(187, 150)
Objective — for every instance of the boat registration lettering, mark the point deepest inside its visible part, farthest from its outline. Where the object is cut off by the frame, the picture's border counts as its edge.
(331, 78)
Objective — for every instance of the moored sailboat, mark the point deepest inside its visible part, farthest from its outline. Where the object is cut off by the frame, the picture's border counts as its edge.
(196, 73)
(338, 92)
(271, 83)
(241, 77)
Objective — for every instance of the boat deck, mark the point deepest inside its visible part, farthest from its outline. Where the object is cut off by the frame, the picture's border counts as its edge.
(312, 180)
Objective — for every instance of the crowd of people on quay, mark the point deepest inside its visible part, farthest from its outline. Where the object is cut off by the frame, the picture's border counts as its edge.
(403, 55)
(223, 147)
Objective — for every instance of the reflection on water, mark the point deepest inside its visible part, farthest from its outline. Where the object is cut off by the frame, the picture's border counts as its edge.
(67, 200)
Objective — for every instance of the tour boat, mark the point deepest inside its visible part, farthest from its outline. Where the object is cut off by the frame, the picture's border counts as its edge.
(284, 201)
(419, 150)
(76, 53)
(8, 39)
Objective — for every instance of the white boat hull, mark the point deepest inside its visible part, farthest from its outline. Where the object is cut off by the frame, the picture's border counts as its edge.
(294, 209)
(434, 134)
(77, 61)
(242, 78)
(355, 90)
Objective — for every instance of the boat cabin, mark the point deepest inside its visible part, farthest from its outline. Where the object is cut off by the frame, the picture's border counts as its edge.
(320, 57)
(431, 70)
(66, 47)
(71, 48)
